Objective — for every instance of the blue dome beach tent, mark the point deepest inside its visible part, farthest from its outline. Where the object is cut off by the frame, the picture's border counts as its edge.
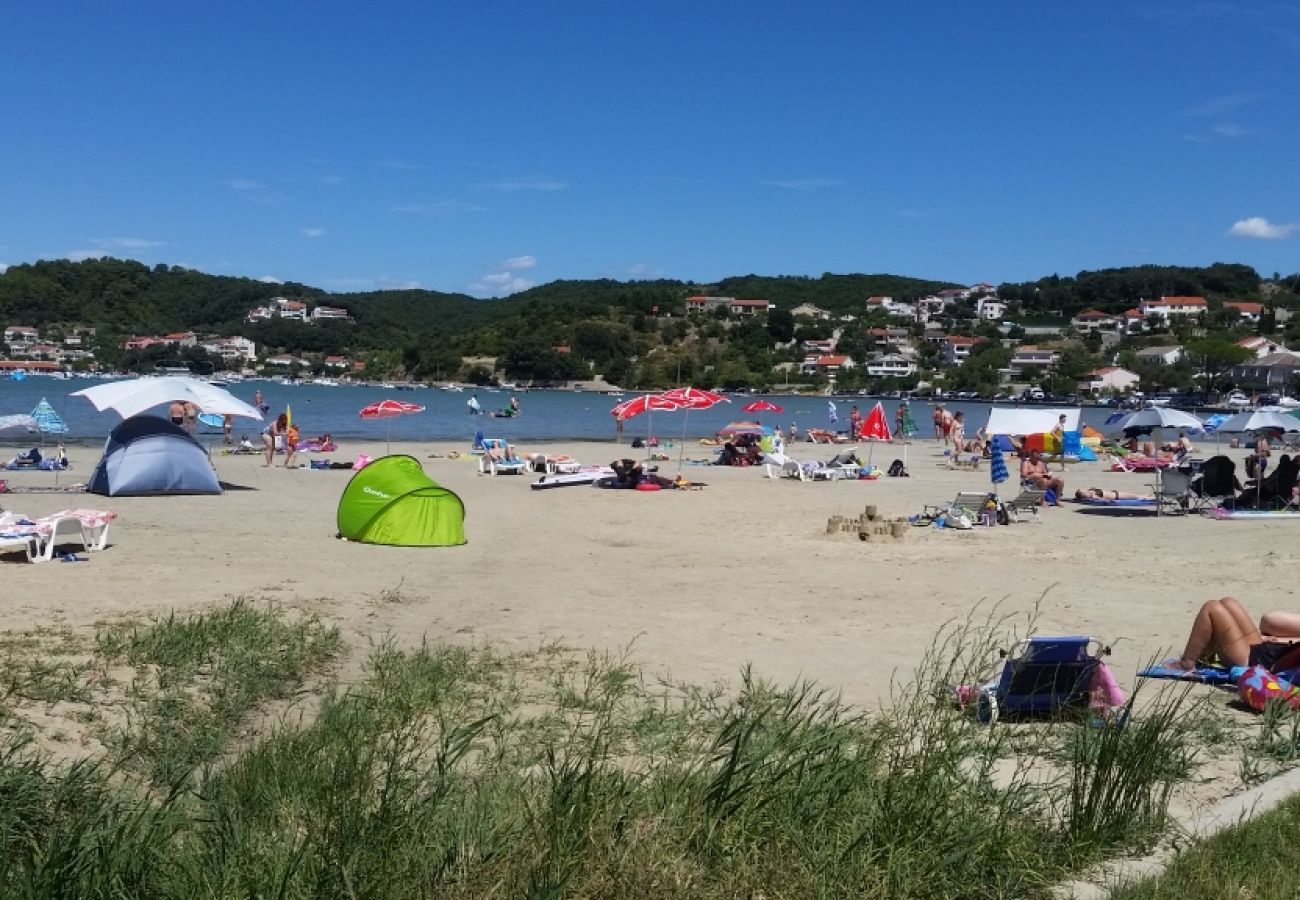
(391, 501)
(148, 455)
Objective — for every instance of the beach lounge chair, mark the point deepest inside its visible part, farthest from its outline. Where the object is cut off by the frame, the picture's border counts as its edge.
(1173, 491)
(499, 458)
(1028, 501)
(26, 544)
(1042, 677)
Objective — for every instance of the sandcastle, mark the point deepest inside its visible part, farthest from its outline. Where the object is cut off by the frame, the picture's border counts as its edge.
(868, 525)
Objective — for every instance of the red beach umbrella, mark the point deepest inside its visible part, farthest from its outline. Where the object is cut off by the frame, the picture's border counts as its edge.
(389, 409)
(386, 409)
(695, 398)
(874, 428)
(645, 403)
(763, 406)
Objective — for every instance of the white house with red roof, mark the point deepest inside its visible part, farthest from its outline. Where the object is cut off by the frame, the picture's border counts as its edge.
(291, 309)
(1166, 307)
(827, 365)
(324, 313)
(1031, 355)
(1095, 320)
(20, 337)
(1248, 311)
(957, 347)
(182, 339)
(1260, 346)
(1110, 378)
(140, 343)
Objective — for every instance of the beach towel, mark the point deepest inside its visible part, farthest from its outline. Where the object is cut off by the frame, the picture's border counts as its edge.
(1202, 674)
(1107, 501)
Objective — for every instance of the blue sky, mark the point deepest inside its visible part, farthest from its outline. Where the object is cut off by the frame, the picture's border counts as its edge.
(484, 147)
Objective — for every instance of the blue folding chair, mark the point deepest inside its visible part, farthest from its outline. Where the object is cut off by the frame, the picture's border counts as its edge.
(1042, 677)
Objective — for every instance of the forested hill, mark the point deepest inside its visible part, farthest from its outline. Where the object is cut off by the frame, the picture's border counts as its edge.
(128, 297)
(1114, 290)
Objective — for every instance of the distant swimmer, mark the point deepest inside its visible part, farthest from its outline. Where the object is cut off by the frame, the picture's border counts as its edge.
(514, 405)
(472, 403)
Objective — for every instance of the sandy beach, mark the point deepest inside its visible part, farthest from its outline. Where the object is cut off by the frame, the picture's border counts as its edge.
(696, 583)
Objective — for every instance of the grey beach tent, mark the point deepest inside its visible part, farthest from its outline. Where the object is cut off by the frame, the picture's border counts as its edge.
(149, 455)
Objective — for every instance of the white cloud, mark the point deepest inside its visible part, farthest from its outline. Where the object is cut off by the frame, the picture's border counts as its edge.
(1261, 228)
(433, 209)
(127, 243)
(802, 184)
(1230, 129)
(535, 184)
(515, 263)
(312, 232)
(500, 284)
(271, 279)
(254, 190)
(1217, 106)
(389, 283)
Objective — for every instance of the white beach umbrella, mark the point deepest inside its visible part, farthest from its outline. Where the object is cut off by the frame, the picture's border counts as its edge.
(1156, 417)
(1258, 420)
(130, 398)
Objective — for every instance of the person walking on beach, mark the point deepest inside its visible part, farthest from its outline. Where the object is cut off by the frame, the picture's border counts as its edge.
(900, 417)
(191, 417)
(271, 434)
(227, 425)
(176, 413)
(942, 421)
(957, 433)
(855, 423)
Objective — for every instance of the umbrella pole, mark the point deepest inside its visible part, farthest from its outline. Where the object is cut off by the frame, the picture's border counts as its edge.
(681, 451)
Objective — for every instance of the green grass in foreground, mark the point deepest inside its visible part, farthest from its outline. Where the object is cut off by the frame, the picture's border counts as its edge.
(1259, 860)
(452, 772)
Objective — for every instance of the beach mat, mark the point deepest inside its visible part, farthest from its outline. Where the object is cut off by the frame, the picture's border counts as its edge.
(1101, 501)
(9, 488)
(1201, 674)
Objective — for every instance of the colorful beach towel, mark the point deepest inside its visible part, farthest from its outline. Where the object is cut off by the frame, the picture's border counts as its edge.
(1201, 674)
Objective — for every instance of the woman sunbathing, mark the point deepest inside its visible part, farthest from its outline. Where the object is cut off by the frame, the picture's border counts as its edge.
(1223, 628)
(1094, 493)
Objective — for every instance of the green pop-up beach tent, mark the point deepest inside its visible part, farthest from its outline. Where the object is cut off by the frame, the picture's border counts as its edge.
(391, 501)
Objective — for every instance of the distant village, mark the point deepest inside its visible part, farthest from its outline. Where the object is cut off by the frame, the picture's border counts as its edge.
(896, 349)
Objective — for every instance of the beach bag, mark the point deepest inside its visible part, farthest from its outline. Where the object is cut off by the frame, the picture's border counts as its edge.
(897, 469)
(1004, 517)
(1258, 686)
(638, 443)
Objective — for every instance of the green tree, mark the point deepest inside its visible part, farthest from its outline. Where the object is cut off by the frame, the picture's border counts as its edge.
(1214, 356)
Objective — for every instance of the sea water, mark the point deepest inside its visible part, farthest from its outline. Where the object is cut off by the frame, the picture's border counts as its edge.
(545, 415)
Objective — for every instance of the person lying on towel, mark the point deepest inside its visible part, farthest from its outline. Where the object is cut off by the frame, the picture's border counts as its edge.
(1095, 493)
(27, 458)
(1223, 629)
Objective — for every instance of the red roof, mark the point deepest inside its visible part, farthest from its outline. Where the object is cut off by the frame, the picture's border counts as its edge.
(1133, 314)
(831, 360)
(1094, 314)
(1247, 307)
(959, 341)
(1177, 301)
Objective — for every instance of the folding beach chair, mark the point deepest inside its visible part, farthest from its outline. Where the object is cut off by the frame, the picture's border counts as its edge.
(1042, 677)
(1027, 501)
(1173, 492)
(1217, 483)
